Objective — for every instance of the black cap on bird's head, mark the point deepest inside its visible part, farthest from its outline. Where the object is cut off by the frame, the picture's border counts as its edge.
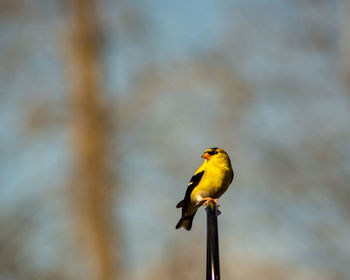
(208, 153)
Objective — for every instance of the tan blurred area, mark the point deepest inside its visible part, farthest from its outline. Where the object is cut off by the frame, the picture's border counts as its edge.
(106, 107)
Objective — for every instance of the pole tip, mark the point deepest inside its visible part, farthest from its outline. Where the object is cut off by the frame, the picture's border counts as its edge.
(213, 207)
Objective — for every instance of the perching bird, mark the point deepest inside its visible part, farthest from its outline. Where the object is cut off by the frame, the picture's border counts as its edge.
(208, 183)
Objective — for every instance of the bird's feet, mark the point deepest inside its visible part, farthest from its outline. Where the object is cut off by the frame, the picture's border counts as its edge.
(207, 200)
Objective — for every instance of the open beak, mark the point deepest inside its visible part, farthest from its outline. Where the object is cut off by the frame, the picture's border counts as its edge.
(205, 156)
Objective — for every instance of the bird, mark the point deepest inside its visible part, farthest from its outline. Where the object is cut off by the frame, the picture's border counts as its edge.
(207, 184)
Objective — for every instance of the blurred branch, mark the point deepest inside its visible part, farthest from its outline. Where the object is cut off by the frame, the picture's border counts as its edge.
(186, 76)
(345, 42)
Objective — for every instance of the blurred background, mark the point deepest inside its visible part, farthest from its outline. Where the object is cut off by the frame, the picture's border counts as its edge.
(106, 107)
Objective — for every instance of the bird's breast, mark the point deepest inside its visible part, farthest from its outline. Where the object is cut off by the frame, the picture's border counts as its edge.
(213, 184)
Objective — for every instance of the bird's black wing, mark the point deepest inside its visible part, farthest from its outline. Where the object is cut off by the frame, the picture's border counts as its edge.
(232, 175)
(191, 185)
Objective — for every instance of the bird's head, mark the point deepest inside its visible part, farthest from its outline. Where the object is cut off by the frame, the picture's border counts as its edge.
(215, 154)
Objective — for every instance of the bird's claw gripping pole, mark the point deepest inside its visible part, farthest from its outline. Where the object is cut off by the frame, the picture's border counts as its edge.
(213, 263)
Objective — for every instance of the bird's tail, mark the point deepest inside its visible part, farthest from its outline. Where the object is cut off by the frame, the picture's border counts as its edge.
(185, 222)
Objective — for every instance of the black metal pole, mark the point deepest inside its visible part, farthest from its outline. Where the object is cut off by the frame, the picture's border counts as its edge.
(213, 263)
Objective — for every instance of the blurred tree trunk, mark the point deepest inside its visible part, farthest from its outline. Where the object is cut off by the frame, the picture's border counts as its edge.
(91, 186)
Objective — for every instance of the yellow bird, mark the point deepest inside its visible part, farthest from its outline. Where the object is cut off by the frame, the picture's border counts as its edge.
(208, 183)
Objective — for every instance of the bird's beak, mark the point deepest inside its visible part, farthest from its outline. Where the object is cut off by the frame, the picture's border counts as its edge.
(205, 156)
